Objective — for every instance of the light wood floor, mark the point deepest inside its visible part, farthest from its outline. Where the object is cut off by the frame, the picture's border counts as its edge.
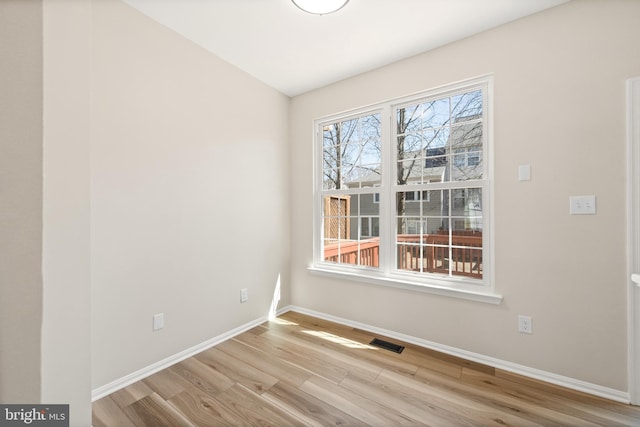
(298, 370)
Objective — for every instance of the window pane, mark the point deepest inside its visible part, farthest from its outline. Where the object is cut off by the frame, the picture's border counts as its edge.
(329, 137)
(409, 248)
(365, 226)
(408, 204)
(410, 227)
(436, 204)
(435, 113)
(437, 254)
(436, 165)
(351, 153)
(409, 256)
(335, 213)
(423, 158)
(347, 129)
(409, 120)
(435, 225)
(341, 251)
(409, 146)
(351, 230)
(370, 153)
(467, 208)
(466, 146)
(423, 170)
(467, 261)
(329, 179)
(375, 226)
(435, 140)
(364, 176)
(474, 158)
(410, 171)
(460, 158)
(467, 106)
(467, 135)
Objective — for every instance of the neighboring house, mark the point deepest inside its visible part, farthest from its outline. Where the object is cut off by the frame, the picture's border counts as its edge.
(460, 159)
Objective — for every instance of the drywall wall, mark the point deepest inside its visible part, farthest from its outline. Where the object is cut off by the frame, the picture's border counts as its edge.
(66, 361)
(189, 193)
(559, 98)
(20, 200)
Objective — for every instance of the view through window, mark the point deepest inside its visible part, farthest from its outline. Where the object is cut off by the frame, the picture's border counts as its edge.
(404, 187)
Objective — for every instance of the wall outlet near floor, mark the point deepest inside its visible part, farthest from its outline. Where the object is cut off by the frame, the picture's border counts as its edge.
(525, 325)
(158, 321)
(244, 295)
(582, 205)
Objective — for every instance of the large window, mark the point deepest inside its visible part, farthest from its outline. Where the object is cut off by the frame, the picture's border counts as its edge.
(402, 190)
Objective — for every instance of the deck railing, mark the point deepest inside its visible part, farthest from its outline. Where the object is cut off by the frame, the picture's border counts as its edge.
(347, 252)
(464, 257)
(428, 253)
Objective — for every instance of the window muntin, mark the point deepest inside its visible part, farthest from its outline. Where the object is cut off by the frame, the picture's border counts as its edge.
(426, 214)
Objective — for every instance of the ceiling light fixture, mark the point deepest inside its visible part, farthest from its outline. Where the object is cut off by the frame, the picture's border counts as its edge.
(320, 7)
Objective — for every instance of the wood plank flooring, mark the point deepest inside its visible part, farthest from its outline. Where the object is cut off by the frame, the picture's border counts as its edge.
(301, 371)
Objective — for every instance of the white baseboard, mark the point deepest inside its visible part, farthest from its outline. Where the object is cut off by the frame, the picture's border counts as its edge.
(570, 383)
(140, 374)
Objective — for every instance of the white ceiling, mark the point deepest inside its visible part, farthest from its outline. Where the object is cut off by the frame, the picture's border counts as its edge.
(295, 52)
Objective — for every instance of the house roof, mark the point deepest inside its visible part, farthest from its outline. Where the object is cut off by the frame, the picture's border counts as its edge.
(433, 174)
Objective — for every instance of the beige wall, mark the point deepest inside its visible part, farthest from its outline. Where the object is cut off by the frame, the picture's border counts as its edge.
(20, 200)
(66, 358)
(559, 106)
(189, 193)
(44, 254)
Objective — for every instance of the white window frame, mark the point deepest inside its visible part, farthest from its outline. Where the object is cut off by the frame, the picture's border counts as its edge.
(482, 290)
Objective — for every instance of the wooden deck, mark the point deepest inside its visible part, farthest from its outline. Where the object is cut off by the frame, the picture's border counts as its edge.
(430, 253)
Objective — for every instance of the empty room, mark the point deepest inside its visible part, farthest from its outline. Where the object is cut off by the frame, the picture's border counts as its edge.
(420, 212)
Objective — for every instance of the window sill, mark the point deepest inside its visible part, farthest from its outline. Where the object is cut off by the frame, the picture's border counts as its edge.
(485, 296)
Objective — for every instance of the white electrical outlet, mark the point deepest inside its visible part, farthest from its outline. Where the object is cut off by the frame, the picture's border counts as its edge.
(244, 295)
(582, 205)
(158, 321)
(525, 325)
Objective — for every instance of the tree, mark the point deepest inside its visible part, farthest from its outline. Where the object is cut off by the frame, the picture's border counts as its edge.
(351, 149)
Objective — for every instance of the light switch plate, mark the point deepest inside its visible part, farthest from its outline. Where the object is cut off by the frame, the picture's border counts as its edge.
(524, 172)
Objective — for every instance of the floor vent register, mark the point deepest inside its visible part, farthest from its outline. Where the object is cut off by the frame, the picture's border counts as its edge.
(387, 345)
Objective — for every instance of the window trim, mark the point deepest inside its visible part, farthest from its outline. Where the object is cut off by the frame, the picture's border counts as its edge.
(482, 290)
